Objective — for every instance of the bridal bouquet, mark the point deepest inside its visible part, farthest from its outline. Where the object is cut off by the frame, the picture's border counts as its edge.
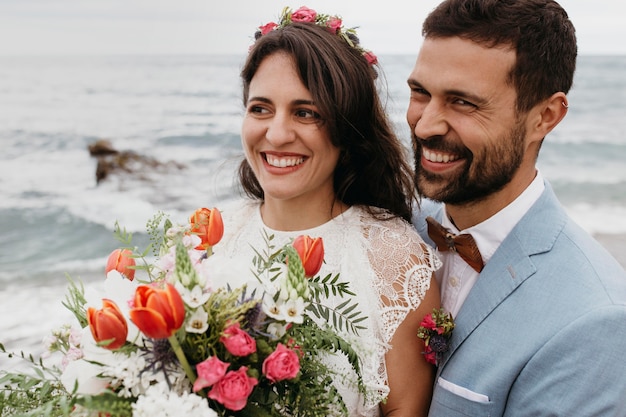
(161, 341)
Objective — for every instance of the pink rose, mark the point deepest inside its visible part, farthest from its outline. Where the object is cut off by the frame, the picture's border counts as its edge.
(334, 24)
(371, 58)
(304, 14)
(237, 341)
(268, 27)
(233, 389)
(281, 364)
(209, 372)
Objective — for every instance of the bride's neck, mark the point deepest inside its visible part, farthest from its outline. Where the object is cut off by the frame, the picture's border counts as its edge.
(289, 216)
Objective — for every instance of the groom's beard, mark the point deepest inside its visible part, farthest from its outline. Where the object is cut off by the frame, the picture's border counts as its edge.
(484, 173)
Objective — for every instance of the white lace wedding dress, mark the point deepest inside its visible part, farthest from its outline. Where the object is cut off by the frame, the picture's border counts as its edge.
(386, 263)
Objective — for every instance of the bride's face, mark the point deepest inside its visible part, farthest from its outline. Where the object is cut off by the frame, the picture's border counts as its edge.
(284, 139)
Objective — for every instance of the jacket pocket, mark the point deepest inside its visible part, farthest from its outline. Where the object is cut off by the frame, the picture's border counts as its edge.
(461, 402)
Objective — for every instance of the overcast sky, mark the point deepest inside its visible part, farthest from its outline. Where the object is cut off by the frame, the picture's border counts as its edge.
(226, 26)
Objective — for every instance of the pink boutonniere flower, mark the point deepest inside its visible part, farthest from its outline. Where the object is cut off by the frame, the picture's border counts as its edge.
(435, 330)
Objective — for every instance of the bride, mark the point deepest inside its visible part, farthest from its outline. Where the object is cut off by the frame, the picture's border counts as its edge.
(321, 160)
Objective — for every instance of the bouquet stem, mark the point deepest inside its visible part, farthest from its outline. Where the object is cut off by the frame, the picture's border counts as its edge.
(178, 350)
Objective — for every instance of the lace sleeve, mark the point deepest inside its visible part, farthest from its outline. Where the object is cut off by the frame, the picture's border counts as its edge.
(404, 265)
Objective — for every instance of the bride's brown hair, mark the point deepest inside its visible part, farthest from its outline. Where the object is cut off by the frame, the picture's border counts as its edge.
(372, 169)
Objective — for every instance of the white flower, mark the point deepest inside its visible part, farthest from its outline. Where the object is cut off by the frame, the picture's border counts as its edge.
(195, 297)
(129, 374)
(294, 310)
(272, 309)
(277, 330)
(291, 310)
(198, 322)
(160, 401)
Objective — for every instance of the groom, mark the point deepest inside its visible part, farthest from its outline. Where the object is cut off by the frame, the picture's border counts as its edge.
(539, 306)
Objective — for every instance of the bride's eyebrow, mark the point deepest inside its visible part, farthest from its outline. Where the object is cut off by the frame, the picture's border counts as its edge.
(304, 102)
(295, 102)
(259, 98)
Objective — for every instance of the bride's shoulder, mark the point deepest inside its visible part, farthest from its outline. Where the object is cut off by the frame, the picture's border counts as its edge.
(374, 217)
(234, 209)
(389, 233)
(238, 216)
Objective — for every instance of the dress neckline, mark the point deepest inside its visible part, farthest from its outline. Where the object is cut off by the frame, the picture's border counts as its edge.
(311, 231)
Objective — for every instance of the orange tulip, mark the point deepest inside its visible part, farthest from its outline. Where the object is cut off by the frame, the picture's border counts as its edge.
(158, 312)
(121, 260)
(311, 251)
(108, 324)
(208, 225)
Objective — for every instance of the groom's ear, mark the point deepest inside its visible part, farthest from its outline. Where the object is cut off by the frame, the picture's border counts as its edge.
(549, 113)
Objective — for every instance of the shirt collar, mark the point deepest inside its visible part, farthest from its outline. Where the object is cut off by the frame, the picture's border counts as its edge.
(491, 232)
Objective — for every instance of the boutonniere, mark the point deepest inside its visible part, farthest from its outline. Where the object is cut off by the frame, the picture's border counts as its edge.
(435, 330)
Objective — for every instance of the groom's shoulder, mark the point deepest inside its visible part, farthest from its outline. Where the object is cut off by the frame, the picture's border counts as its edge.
(426, 208)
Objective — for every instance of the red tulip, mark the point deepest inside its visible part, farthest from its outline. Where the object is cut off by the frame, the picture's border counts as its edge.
(108, 324)
(122, 261)
(311, 251)
(158, 312)
(208, 225)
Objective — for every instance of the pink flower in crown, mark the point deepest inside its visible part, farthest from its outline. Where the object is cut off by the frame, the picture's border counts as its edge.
(281, 364)
(209, 372)
(334, 24)
(371, 58)
(234, 389)
(268, 27)
(304, 14)
(237, 341)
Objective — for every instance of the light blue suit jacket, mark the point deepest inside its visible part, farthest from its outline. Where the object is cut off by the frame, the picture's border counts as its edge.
(543, 330)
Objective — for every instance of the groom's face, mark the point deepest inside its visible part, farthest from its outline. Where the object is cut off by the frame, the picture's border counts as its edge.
(468, 139)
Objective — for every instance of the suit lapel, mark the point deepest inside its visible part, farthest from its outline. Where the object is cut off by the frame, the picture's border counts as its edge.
(509, 267)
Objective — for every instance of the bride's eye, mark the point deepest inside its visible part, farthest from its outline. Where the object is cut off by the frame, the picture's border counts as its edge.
(308, 115)
(257, 109)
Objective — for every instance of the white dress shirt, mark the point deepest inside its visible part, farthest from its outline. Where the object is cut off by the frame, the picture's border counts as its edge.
(456, 278)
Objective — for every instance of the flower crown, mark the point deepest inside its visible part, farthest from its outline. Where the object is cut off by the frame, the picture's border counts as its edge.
(334, 25)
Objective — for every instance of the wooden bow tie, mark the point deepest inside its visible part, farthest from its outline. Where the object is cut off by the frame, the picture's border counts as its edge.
(463, 244)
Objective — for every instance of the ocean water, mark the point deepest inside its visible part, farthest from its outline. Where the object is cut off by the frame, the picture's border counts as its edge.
(56, 220)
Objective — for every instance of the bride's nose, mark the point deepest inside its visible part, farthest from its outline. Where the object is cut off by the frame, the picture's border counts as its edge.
(280, 130)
